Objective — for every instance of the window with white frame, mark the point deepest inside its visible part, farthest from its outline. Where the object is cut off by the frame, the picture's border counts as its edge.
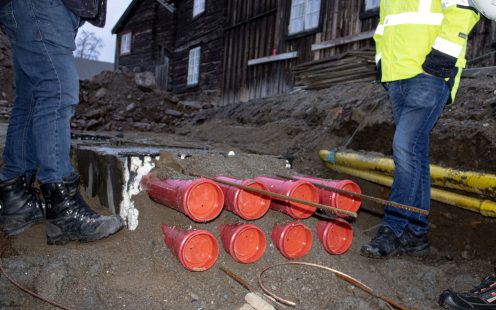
(126, 43)
(194, 66)
(199, 7)
(371, 4)
(305, 15)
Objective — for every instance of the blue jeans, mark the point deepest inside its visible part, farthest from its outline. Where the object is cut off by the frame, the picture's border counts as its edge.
(417, 104)
(42, 35)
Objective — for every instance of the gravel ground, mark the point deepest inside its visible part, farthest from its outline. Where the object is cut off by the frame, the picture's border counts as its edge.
(134, 270)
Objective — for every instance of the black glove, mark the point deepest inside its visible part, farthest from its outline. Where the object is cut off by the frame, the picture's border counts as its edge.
(378, 71)
(440, 64)
(378, 75)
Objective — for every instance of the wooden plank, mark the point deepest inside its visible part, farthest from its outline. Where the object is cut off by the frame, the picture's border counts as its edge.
(279, 57)
(344, 40)
(169, 7)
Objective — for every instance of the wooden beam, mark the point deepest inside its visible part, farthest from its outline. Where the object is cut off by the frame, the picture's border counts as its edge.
(343, 40)
(168, 6)
(267, 59)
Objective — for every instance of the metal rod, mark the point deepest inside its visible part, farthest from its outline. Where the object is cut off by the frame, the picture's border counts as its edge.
(339, 274)
(22, 288)
(366, 197)
(284, 197)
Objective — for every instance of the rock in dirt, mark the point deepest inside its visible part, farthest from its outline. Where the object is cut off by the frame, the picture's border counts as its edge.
(194, 297)
(173, 113)
(131, 107)
(145, 81)
(143, 126)
(190, 105)
(102, 92)
(93, 123)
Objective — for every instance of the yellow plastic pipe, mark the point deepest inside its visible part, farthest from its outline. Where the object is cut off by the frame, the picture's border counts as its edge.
(469, 181)
(484, 207)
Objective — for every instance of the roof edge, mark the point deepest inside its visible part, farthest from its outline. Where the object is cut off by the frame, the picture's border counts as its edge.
(165, 3)
(124, 16)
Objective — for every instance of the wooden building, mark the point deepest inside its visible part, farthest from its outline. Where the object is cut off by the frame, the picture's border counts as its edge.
(181, 41)
(251, 48)
(145, 37)
(265, 39)
(199, 49)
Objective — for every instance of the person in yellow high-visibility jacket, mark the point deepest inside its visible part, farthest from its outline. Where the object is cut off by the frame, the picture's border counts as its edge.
(420, 54)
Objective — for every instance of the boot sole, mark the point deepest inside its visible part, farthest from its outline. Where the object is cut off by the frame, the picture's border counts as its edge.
(416, 252)
(55, 236)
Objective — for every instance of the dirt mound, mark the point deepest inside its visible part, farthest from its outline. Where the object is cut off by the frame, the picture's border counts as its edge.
(356, 116)
(123, 100)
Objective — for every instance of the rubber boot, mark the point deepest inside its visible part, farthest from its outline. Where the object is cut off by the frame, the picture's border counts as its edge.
(69, 218)
(20, 206)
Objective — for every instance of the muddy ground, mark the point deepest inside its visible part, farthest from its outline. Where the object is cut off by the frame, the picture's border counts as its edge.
(134, 270)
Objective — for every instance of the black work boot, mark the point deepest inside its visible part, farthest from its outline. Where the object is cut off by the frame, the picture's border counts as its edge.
(481, 297)
(412, 244)
(20, 206)
(387, 244)
(69, 218)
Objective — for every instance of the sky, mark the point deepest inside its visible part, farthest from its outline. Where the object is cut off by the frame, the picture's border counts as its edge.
(115, 8)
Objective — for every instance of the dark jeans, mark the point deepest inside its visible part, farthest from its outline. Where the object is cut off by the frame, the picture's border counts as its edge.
(42, 35)
(417, 104)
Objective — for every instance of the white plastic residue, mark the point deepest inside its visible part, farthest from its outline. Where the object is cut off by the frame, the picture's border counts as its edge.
(137, 169)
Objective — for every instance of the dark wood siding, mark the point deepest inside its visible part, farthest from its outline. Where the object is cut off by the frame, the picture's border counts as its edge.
(206, 31)
(259, 28)
(341, 19)
(481, 49)
(250, 33)
(152, 27)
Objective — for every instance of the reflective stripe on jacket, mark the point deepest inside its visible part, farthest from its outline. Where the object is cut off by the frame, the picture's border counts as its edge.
(418, 36)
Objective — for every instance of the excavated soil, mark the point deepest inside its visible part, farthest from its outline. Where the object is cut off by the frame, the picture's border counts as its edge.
(134, 270)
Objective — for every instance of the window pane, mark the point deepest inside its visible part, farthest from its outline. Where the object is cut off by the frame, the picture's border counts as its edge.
(305, 15)
(297, 19)
(194, 66)
(198, 7)
(312, 14)
(298, 10)
(372, 4)
(312, 21)
(313, 6)
(126, 43)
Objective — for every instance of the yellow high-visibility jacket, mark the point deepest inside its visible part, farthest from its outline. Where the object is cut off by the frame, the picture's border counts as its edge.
(415, 36)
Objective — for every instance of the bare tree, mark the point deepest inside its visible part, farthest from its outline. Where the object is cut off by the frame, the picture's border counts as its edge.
(88, 45)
